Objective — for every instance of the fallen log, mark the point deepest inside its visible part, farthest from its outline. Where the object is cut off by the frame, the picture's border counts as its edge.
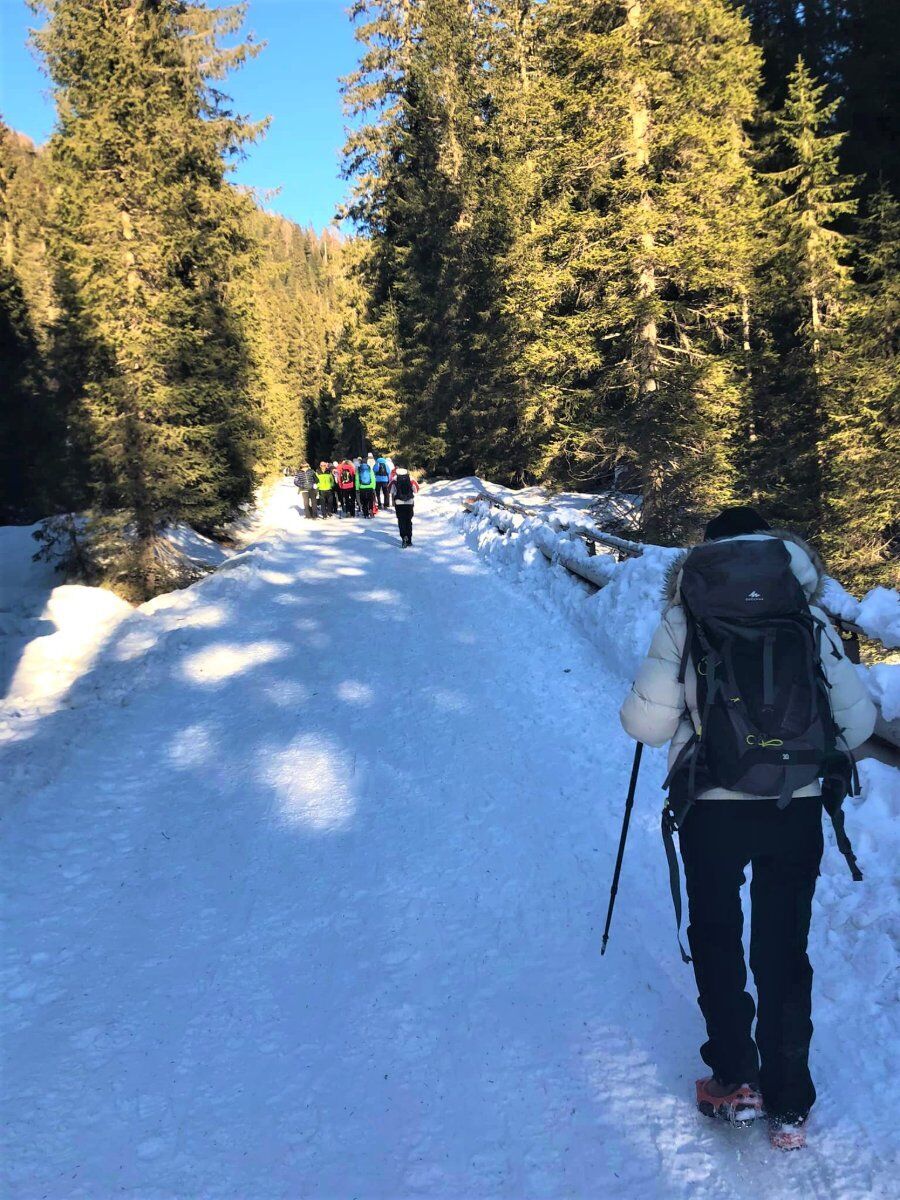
(595, 537)
(595, 570)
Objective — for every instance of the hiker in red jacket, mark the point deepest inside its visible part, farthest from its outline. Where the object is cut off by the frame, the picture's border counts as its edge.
(346, 481)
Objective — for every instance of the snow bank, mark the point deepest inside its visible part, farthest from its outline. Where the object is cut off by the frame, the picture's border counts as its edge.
(23, 582)
(565, 508)
(195, 547)
(630, 602)
(49, 633)
(878, 613)
(52, 633)
(75, 622)
(883, 681)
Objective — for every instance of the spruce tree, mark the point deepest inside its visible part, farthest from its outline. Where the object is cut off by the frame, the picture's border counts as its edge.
(869, 84)
(850, 45)
(150, 242)
(861, 451)
(437, 195)
(22, 362)
(805, 285)
(39, 472)
(365, 368)
(648, 241)
(787, 31)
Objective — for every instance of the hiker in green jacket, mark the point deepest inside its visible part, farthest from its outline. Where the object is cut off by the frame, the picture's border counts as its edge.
(327, 490)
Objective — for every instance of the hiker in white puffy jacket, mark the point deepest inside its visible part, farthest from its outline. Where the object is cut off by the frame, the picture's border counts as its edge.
(726, 830)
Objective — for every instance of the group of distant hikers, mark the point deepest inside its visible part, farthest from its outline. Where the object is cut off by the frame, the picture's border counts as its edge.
(359, 487)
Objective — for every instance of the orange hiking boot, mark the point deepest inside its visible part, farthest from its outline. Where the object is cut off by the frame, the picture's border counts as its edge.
(739, 1107)
(787, 1135)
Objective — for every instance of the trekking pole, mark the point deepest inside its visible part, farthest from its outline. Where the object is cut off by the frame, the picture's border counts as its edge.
(629, 804)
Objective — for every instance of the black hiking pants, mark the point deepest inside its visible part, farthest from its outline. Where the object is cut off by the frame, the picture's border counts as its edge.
(383, 492)
(366, 501)
(719, 838)
(404, 519)
(348, 502)
(328, 502)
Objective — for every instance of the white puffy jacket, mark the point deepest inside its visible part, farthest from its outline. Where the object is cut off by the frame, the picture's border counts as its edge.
(659, 709)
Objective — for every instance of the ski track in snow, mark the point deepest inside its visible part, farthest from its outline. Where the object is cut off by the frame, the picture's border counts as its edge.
(304, 885)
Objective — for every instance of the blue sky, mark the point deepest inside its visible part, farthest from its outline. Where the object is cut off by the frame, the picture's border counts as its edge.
(294, 80)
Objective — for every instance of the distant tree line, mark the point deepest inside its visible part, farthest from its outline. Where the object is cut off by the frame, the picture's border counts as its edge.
(161, 337)
(644, 244)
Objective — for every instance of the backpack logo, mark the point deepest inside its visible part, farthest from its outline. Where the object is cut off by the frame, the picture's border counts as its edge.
(753, 596)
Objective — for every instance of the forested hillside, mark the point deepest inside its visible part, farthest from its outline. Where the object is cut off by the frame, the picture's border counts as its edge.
(649, 245)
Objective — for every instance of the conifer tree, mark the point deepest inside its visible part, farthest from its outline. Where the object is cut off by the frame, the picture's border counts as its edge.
(365, 371)
(150, 241)
(496, 400)
(39, 470)
(437, 196)
(378, 100)
(861, 451)
(850, 45)
(869, 84)
(22, 361)
(806, 282)
(788, 31)
(648, 244)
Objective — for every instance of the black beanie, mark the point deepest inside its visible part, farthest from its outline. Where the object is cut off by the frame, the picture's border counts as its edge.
(732, 522)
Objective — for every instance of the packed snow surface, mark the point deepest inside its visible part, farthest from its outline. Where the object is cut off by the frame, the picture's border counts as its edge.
(50, 631)
(305, 875)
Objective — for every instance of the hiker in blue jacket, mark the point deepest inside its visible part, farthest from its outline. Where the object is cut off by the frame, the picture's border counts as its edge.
(365, 488)
(383, 469)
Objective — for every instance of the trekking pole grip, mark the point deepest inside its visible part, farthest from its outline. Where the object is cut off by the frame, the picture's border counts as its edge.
(629, 804)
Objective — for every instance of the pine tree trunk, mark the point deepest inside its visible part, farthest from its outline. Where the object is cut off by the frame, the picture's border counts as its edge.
(647, 333)
(747, 351)
(523, 19)
(817, 432)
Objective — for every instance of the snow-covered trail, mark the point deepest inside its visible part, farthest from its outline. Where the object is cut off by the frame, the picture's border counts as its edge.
(305, 895)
